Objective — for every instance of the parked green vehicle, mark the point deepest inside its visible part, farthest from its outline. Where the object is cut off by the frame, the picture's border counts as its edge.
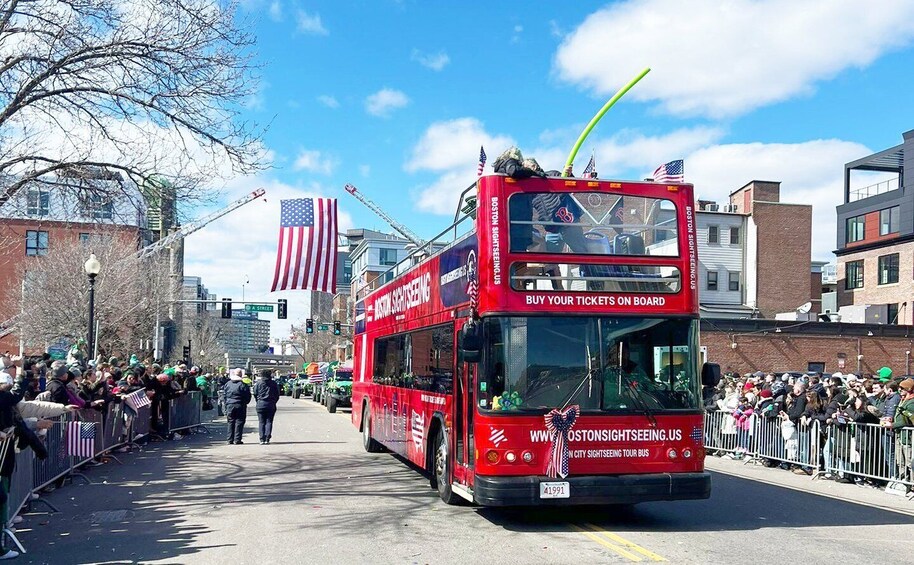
(338, 390)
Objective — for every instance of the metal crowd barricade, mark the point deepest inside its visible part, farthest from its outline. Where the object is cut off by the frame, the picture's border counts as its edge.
(869, 451)
(6, 446)
(57, 464)
(114, 427)
(722, 434)
(185, 411)
(21, 483)
(141, 423)
(783, 441)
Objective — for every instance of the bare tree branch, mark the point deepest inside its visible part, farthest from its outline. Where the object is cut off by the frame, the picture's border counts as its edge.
(152, 88)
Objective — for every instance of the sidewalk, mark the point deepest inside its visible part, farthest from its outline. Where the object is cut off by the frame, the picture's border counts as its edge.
(868, 496)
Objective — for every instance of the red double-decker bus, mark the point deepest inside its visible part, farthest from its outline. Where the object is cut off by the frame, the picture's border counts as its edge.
(548, 356)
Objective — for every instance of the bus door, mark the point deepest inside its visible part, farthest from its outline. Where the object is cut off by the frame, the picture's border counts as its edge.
(465, 446)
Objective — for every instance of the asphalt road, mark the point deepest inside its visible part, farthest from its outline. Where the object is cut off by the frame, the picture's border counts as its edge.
(314, 496)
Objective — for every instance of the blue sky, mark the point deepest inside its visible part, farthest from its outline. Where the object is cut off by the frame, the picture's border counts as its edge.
(397, 96)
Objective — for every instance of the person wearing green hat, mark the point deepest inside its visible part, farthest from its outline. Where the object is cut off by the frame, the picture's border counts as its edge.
(885, 374)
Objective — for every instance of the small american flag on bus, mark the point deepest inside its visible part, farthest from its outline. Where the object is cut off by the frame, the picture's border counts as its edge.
(669, 172)
(482, 161)
(81, 439)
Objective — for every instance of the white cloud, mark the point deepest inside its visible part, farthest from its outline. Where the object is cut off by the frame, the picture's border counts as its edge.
(451, 149)
(243, 243)
(724, 59)
(275, 11)
(328, 101)
(365, 170)
(518, 29)
(315, 162)
(310, 23)
(811, 172)
(384, 101)
(433, 61)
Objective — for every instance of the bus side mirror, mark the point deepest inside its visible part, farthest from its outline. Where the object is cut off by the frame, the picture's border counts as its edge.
(710, 374)
(471, 343)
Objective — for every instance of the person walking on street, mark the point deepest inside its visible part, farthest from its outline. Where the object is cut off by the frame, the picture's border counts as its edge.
(237, 397)
(266, 392)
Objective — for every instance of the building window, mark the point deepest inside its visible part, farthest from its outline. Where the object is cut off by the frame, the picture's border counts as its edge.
(888, 269)
(734, 235)
(712, 280)
(36, 243)
(713, 235)
(734, 281)
(38, 202)
(388, 257)
(888, 220)
(853, 274)
(855, 229)
(892, 313)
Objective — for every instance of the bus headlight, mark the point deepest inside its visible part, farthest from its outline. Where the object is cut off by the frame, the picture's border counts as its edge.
(528, 457)
(510, 457)
(492, 456)
(687, 453)
(672, 454)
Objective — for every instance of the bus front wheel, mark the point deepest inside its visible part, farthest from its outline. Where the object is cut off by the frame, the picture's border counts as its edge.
(370, 445)
(442, 470)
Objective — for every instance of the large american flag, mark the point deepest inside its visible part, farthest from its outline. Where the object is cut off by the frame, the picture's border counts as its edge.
(81, 439)
(669, 172)
(306, 258)
(482, 161)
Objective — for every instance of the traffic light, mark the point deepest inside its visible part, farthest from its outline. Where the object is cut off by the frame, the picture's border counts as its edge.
(282, 309)
(226, 307)
(336, 327)
(186, 353)
(309, 326)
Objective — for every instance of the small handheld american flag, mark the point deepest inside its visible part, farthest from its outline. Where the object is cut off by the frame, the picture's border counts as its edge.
(136, 400)
(482, 161)
(669, 172)
(81, 439)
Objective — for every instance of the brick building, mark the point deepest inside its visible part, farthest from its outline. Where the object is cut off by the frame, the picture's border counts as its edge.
(754, 254)
(876, 240)
(36, 219)
(767, 345)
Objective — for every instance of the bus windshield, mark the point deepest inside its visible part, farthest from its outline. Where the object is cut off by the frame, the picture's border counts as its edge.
(606, 364)
(343, 375)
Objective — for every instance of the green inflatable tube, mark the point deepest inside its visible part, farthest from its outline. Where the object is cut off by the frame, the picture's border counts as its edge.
(599, 115)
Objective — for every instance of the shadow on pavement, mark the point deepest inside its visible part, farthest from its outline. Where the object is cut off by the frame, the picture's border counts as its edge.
(735, 504)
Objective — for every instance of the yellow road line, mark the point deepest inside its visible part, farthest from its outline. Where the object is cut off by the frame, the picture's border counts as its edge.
(603, 542)
(625, 543)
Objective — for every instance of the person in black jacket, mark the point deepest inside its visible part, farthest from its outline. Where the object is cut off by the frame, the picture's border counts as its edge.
(237, 397)
(57, 386)
(266, 392)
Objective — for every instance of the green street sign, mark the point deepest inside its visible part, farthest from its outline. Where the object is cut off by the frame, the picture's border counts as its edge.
(258, 307)
(323, 327)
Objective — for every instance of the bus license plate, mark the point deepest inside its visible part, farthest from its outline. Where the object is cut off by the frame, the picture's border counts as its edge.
(555, 490)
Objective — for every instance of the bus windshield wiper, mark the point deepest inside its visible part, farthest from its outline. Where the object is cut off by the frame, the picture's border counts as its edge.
(635, 394)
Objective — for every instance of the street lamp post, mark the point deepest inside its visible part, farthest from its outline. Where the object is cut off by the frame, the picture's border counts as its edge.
(93, 267)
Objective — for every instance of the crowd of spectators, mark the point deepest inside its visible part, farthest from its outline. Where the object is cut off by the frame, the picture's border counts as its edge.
(818, 418)
(35, 390)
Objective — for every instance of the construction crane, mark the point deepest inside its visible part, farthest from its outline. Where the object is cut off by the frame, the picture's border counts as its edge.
(403, 230)
(9, 326)
(198, 224)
